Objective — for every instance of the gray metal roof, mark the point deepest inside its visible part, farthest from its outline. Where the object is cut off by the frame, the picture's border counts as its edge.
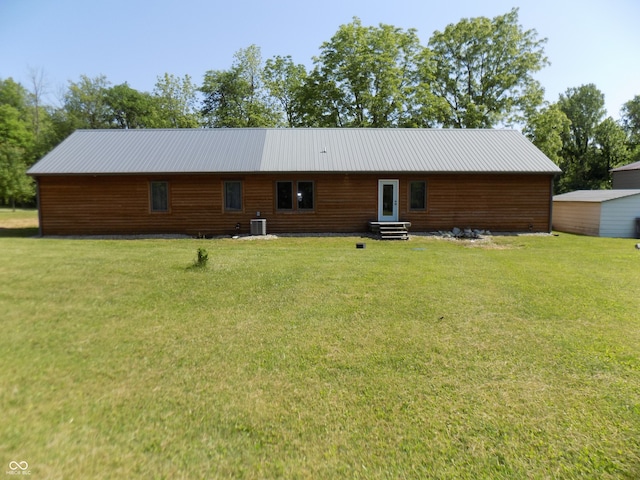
(320, 150)
(595, 196)
(631, 166)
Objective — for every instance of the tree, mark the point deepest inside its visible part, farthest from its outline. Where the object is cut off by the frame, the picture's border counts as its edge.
(610, 141)
(546, 129)
(485, 71)
(237, 97)
(367, 76)
(285, 81)
(592, 146)
(321, 102)
(16, 142)
(45, 137)
(584, 107)
(38, 90)
(129, 108)
(425, 109)
(13, 95)
(85, 102)
(631, 125)
(225, 103)
(175, 100)
(15, 185)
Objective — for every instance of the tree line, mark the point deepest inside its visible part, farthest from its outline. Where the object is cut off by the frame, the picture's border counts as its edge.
(477, 73)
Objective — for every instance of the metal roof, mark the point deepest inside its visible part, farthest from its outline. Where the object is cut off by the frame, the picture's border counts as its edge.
(595, 196)
(320, 150)
(631, 166)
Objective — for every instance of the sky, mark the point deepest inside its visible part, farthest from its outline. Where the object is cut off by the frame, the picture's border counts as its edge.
(136, 41)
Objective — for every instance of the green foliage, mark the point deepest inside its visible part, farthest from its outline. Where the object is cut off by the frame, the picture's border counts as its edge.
(584, 107)
(631, 125)
(546, 129)
(237, 97)
(612, 149)
(15, 185)
(16, 143)
(591, 146)
(13, 95)
(86, 102)
(476, 73)
(202, 258)
(485, 70)
(175, 99)
(308, 358)
(371, 75)
(130, 108)
(16, 222)
(285, 81)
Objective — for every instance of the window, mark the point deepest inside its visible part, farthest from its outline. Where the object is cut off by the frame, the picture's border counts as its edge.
(159, 196)
(233, 195)
(284, 195)
(305, 195)
(417, 195)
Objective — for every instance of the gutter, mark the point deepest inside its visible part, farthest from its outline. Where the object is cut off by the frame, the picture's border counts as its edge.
(38, 207)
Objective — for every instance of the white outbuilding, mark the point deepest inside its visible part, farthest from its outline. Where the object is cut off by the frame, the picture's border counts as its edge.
(599, 213)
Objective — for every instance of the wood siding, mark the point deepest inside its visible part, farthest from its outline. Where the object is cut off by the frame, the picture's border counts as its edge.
(93, 205)
(577, 217)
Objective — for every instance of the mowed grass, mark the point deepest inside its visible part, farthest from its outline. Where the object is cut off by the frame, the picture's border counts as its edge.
(309, 358)
(18, 222)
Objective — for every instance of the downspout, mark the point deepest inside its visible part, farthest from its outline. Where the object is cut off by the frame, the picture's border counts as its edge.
(38, 207)
(550, 204)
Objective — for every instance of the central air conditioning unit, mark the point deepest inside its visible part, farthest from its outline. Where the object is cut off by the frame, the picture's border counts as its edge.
(258, 227)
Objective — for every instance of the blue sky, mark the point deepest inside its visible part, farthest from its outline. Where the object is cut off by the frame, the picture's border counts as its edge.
(138, 40)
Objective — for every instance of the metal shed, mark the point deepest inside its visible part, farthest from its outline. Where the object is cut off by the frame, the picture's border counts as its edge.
(627, 176)
(599, 213)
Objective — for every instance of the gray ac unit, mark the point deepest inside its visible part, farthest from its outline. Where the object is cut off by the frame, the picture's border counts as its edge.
(259, 227)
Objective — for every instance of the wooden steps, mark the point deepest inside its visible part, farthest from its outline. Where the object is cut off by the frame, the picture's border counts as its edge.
(391, 230)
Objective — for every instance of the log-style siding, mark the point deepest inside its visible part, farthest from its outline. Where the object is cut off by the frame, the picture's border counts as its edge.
(90, 205)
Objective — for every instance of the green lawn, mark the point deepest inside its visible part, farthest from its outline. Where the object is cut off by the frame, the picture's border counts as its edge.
(18, 222)
(309, 358)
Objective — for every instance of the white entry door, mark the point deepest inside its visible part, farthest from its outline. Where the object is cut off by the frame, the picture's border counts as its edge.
(387, 200)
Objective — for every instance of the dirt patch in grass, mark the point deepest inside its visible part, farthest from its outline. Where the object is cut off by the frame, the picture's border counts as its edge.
(18, 218)
(486, 242)
(18, 223)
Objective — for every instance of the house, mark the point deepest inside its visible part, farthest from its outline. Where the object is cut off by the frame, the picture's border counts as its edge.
(627, 176)
(216, 181)
(600, 213)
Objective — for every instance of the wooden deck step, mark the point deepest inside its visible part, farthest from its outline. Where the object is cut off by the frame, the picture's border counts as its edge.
(391, 230)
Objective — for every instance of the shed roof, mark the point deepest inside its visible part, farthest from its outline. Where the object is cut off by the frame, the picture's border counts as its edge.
(595, 196)
(320, 150)
(631, 166)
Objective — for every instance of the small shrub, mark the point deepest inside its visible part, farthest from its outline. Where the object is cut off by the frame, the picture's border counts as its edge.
(203, 258)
